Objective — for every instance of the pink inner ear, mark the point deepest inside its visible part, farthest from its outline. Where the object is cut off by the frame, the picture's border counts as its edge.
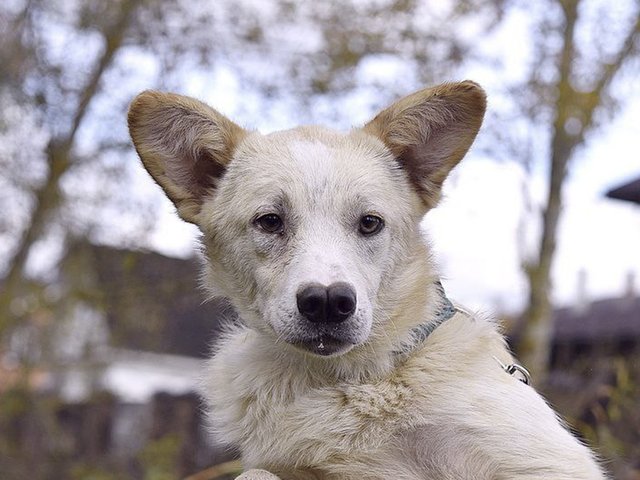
(429, 162)
(196, 172)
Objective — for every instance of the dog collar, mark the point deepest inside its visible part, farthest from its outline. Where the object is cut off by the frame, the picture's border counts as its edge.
(419, 334)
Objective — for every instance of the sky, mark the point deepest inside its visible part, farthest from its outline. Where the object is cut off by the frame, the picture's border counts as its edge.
(477, 231)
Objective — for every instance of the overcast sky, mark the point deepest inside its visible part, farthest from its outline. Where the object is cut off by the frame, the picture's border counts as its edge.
(477, 229)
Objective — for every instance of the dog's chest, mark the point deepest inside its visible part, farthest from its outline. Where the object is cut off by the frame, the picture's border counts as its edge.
(276, 416)
(318, 426)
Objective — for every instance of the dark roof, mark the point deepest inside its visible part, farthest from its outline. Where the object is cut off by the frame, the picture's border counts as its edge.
(600, 320)
(152, 302)
(629, 192)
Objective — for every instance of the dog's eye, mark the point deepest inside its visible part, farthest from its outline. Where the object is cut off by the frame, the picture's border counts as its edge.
(270, 223)
(370, 225)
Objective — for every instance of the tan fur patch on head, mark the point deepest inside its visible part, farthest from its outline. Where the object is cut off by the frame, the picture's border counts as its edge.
(184, 144)
(430, 131)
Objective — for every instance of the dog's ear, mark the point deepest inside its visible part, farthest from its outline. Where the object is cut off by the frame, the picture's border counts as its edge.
(184, 144)
(429, 132)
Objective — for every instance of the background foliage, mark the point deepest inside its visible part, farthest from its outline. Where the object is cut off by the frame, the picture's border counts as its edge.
(69, 69)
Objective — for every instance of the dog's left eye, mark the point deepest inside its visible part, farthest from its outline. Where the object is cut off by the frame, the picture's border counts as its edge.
(370, 225)
(270, 223)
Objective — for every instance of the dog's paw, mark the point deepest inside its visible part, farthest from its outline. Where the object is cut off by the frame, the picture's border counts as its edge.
(255, 474)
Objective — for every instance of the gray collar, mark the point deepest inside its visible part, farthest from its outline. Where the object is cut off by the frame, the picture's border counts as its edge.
(420, 333)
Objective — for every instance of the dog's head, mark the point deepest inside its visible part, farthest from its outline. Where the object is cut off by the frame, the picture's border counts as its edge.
(303, 228)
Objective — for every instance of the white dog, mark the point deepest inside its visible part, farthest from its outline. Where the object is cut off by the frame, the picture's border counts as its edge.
(350, 363)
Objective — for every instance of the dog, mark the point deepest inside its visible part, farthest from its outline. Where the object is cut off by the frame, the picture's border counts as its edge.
(349, 362)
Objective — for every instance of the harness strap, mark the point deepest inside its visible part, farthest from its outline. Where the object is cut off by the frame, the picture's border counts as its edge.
(419, 334)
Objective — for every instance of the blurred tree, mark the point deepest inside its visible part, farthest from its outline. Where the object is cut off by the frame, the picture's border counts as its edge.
(70, 67)
(39, 79)
(580, 48)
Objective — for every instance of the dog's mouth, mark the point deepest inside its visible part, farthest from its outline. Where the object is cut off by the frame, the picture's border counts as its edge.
(325, 345)
(322, 339)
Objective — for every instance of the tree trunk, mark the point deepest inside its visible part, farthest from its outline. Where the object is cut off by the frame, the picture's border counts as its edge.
(535, 343)
(47, 196)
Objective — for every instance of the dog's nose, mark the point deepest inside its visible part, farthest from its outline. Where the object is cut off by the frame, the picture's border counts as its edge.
(341, 300)
(312, 302)
(332, 304)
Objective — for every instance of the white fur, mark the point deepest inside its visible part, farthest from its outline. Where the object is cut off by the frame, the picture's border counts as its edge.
(447, 410)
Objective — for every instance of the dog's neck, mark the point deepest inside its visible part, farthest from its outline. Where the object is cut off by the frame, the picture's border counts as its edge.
(385, 352)
(419, 334)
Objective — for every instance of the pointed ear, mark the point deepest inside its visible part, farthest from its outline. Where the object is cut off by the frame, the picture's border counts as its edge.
(429, 132)
(184, 144)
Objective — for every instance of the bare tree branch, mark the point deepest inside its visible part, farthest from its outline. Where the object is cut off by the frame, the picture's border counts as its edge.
(47, 197)
(589, 101)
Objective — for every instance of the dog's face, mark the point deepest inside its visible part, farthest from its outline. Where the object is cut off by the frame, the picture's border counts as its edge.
(303, 227)
(305, 224)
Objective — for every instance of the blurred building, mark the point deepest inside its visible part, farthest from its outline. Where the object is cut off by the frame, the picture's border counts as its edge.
(130, 322)
(114, 349)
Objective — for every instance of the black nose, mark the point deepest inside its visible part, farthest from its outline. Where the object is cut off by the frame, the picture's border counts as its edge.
(332, 304)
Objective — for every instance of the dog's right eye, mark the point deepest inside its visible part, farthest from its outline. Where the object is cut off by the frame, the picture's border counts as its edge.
(270, 223)
(370, 225)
